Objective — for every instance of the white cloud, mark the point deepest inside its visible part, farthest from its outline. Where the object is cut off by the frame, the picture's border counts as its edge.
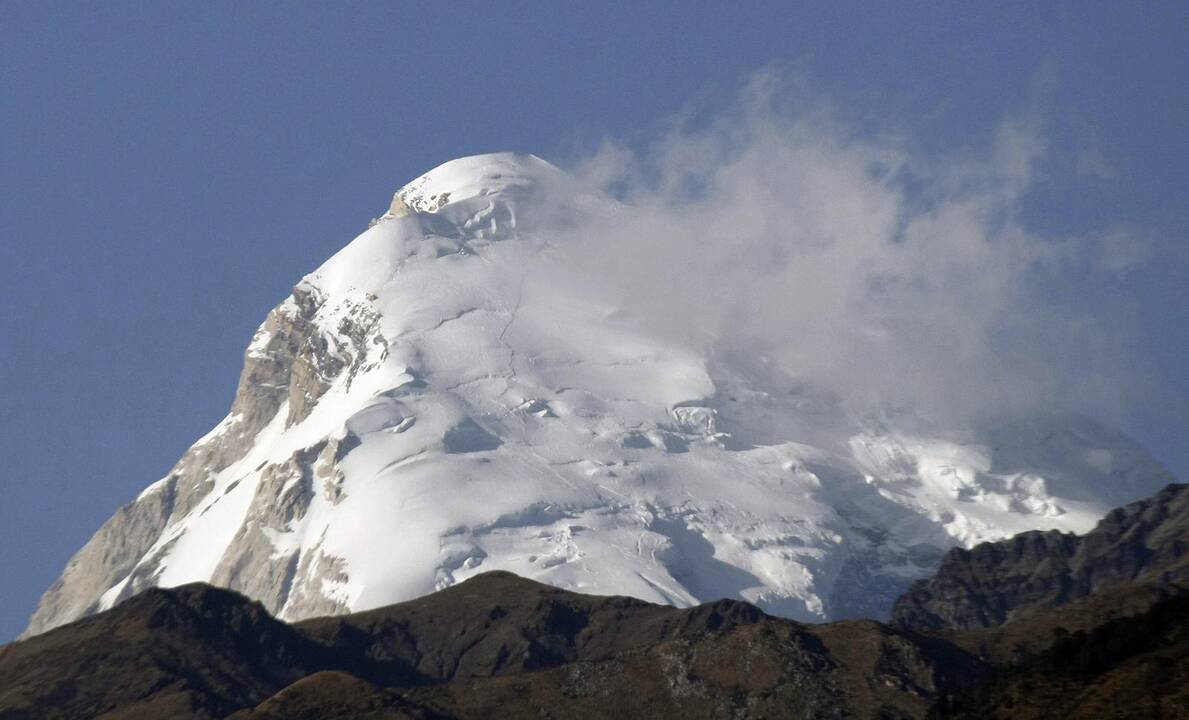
(882, 274)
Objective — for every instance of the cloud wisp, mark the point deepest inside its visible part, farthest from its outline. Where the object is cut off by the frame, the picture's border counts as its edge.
(887, 276)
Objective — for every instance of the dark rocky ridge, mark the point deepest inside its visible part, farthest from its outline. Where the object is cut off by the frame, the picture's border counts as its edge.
(494, 643)
(1133, 666)
(1080, 628)
(193, 651)
(1051, 626)
(1143, 543)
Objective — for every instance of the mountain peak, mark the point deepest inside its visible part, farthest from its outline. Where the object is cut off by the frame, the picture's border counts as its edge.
(438, 400)
(469, 177)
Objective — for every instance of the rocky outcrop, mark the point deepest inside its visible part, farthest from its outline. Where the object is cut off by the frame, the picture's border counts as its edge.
(1146, 542)
(107, 558)
(287, 368)
(253, 564)
(293, 359)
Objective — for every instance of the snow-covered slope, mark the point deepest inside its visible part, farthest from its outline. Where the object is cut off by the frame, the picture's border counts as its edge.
(421, 409)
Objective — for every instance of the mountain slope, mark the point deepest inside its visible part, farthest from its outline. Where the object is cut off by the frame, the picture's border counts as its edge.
(495, 644)
(186, 652)
(1134, 666)
(500, 645)
(1144, 543)
(444, 396)
(1086, 626)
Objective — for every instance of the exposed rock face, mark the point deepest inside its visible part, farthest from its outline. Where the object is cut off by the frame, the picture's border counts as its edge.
(289, 365)
(1146, 542)
(293, 358)
(286, 582)
(252, 564)
(108, 558)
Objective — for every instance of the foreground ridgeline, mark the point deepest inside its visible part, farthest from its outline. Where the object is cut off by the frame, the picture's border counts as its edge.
(1034, 627)
(494, 646)
(458, 389)
(1142, 548)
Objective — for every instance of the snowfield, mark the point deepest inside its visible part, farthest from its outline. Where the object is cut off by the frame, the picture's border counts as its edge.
(425, 408)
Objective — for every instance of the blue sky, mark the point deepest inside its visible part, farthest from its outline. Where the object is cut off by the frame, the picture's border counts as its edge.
(169, 170)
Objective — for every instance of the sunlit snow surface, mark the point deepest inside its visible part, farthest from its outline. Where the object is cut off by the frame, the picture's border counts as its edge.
(519, 425)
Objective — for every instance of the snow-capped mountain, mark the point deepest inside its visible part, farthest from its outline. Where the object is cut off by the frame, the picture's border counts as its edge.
(421, 409)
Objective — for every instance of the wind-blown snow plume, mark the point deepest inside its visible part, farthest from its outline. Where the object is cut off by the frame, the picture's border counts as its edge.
(890, 276)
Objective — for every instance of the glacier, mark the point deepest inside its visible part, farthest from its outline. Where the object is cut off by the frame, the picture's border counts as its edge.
(423, 408)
